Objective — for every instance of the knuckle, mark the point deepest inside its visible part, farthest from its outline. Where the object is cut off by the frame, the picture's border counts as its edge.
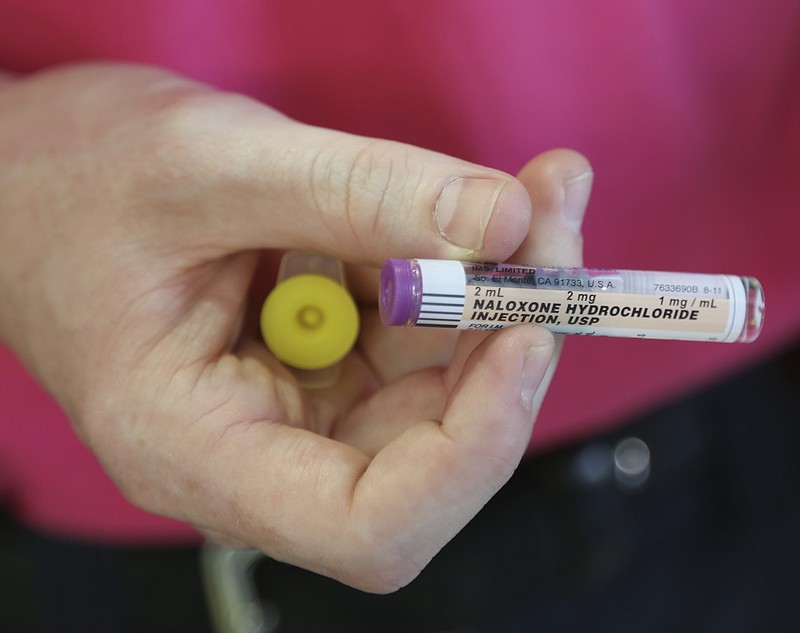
(365, 188)
(379, 574)
(182, 138)
(382, 558)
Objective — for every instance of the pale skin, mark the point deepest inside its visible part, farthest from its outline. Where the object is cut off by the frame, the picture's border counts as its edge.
(138, 208)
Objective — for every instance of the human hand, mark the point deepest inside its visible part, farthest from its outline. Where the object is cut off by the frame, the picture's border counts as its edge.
(138, 209)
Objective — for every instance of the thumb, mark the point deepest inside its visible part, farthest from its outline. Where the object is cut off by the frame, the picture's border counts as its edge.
(362, 199)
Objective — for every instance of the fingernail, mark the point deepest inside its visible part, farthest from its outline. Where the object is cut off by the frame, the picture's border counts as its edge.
(577, 190)
(464, 208)
(533, 370)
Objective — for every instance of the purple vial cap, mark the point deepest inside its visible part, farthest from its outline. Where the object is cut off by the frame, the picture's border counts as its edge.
(396, 301)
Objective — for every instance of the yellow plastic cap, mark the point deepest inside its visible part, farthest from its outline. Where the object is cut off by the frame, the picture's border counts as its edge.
(309, 322)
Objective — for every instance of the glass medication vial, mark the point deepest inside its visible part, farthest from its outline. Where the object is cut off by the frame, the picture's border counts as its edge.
(621, 303)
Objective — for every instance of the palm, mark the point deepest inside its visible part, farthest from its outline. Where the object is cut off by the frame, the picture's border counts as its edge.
(237, 406)
(392, 379)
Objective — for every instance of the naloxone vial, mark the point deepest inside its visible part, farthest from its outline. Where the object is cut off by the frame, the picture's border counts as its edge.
(590, 302)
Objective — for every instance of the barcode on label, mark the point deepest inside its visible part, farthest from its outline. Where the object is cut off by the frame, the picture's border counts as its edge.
(441, 310)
